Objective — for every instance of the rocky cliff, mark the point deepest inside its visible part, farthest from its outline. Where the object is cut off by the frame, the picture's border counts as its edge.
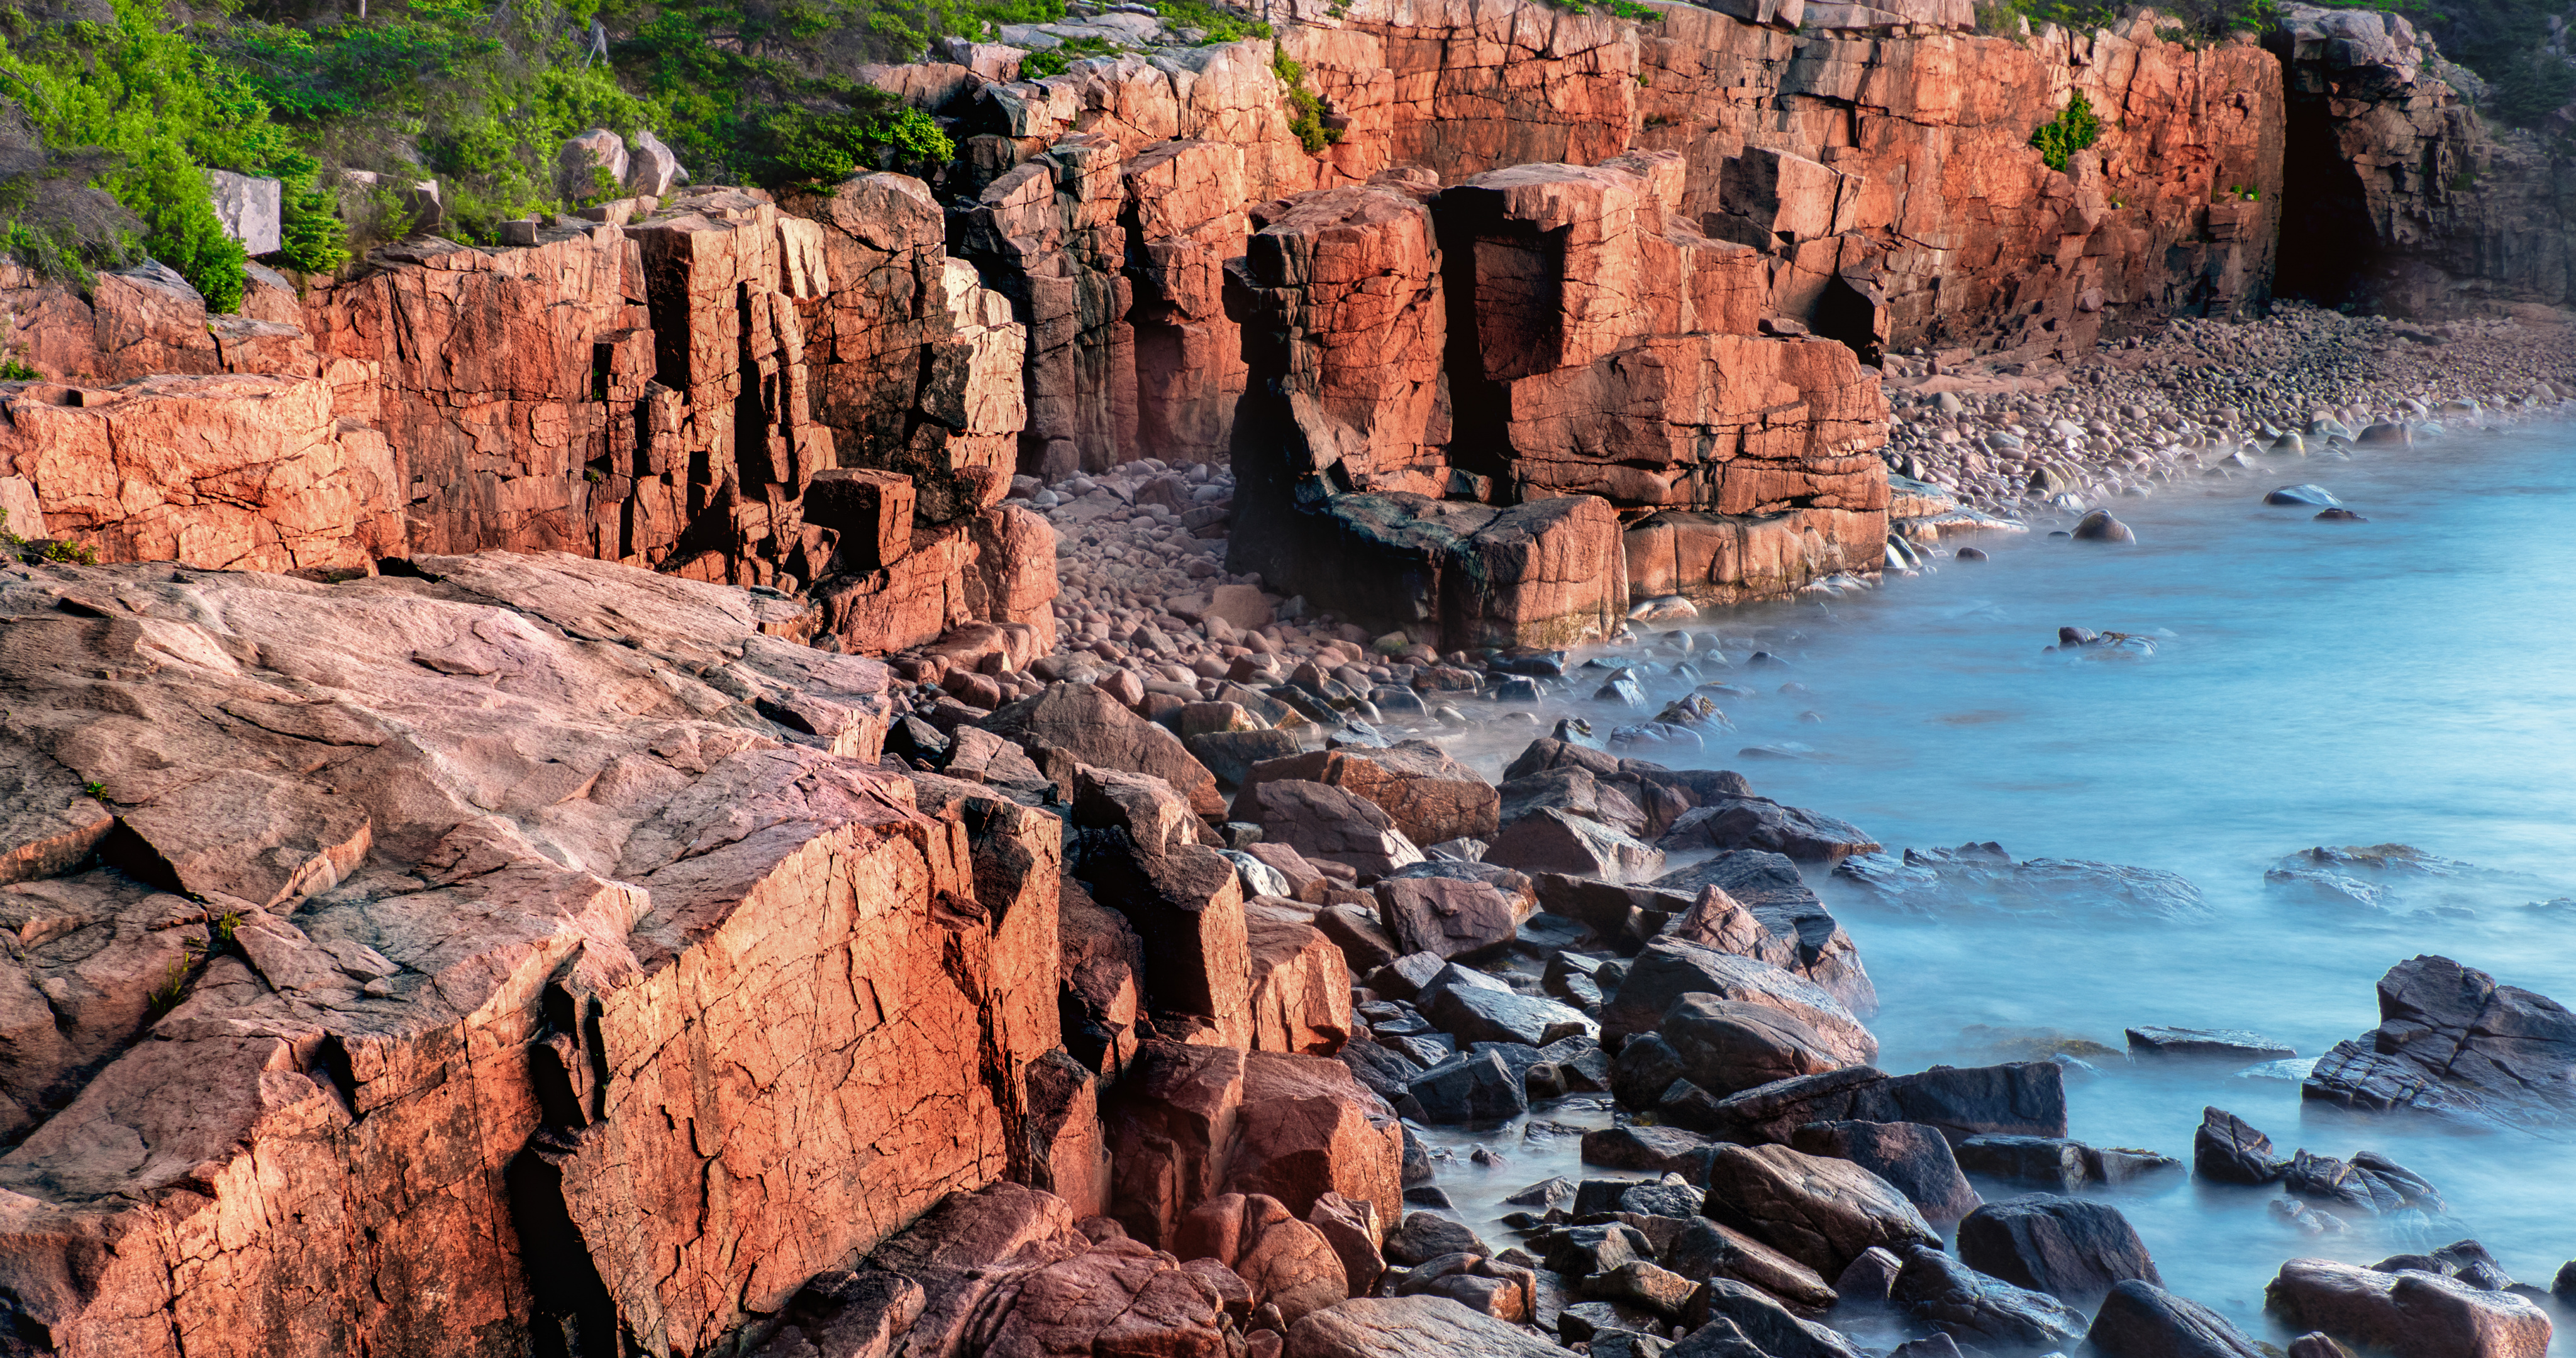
(830, 393)
(2416, 206)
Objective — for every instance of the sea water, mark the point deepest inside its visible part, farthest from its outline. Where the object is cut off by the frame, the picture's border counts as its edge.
(2408, 679)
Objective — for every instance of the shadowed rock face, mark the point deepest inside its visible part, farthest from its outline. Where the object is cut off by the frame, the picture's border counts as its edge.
(413, 927)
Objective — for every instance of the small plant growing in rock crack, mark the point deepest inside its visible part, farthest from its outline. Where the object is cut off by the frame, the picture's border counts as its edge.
(225, 924)
(96, 792)
(2069, 132)
(1306, 117)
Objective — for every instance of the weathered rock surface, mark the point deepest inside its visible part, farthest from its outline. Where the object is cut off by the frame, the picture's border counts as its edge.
(1821, 1212)
(1408, 1327)
(2074, 1249)
(491, 860)
(1670, 968)
(2452, 1041)
(2142, 1320)
(1912, 1158)
(1975, 1309)
(2408, 1313)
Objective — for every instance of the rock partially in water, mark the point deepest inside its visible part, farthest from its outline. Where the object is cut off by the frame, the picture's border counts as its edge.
(1986, 1312)
(1821, 1212)
(2303, 494)
(2454, 1043)
(1912, 1157)
(2099, 526)
(2339, 516)
(1671, 968)
(1761, 823)
(1705, 1251)
(2357, 875)
(2142, 1320)
(2055, 1162)
(2022, 1098)
(2229, 1150)
(2369, 1182)
(2206, 1044)
(1982, 877)
(2419, 1315)
(2074, 1249)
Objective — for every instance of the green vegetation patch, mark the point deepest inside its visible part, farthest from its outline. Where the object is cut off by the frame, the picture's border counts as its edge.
(2072, 130)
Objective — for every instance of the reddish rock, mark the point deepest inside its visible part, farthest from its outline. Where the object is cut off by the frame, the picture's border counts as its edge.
(1430, 796)
(1283, 1261)
(1300, 984)
(1444, 916)
(1089, 726)
(1330, 825)
(556, 1027)
(1102, 966)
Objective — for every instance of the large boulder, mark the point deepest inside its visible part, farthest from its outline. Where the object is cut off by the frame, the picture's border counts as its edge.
(1725, 1045)
(2074, 1249)
(1913, 1158)
(1769, 1326)
(2142, 1320)
(1328, 823)
(1977, 1310)
(1089, 726)
(1431, 797)
(2451, 1041)
(2408, 1314)
(1823, 1213)
(1670, 968)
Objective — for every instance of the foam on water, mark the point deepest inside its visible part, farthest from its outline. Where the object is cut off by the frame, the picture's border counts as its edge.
(2410, 679)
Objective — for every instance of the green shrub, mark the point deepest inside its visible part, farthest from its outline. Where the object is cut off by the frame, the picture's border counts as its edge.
(2072, 130)
(1305, 107)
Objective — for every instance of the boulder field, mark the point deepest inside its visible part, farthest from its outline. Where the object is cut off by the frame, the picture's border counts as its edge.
(586, 964)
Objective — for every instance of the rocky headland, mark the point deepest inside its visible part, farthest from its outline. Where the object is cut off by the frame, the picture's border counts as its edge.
(878, 771)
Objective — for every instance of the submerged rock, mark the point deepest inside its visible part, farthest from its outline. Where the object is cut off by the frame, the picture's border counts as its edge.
(2303, 494)
(2206, 1044)
(1982, 877)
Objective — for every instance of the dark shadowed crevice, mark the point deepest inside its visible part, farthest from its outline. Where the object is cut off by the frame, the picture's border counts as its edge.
(572, 1314)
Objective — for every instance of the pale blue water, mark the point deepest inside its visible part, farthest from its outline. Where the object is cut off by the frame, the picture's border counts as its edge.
(2408, 679)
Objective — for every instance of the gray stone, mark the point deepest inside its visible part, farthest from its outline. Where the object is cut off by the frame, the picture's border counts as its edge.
(251, 208)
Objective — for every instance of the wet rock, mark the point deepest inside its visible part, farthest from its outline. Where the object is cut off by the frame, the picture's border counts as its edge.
(1329, 824)
(1670, 968)
(1974, 1309)
(1445, 916)
(2074, 1249)
(1469, 1088)
(2453, 1042)
(2021, 1098)
(1725, 1046)
(1870, 1280)
(2369, 1182)
(2099, 526)
(1760, 823)
(1581, 1252)
(2413, 1315)
(2142, 1320)
(1984, 877)
(1764, 1323)
(1554, 841)
(2228, 1150)
(1914, 1159)
(1409, 1327)
(2304, 494)
(2317, 1344)
(1789, 926)
(1821, 1212)
(1705, 1251)
(2339, 516)
(1425, 1236)
(1653, 1150)
(2232, 1045)
(2055, 1162)
(1574, 790)
(1474, 1014)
